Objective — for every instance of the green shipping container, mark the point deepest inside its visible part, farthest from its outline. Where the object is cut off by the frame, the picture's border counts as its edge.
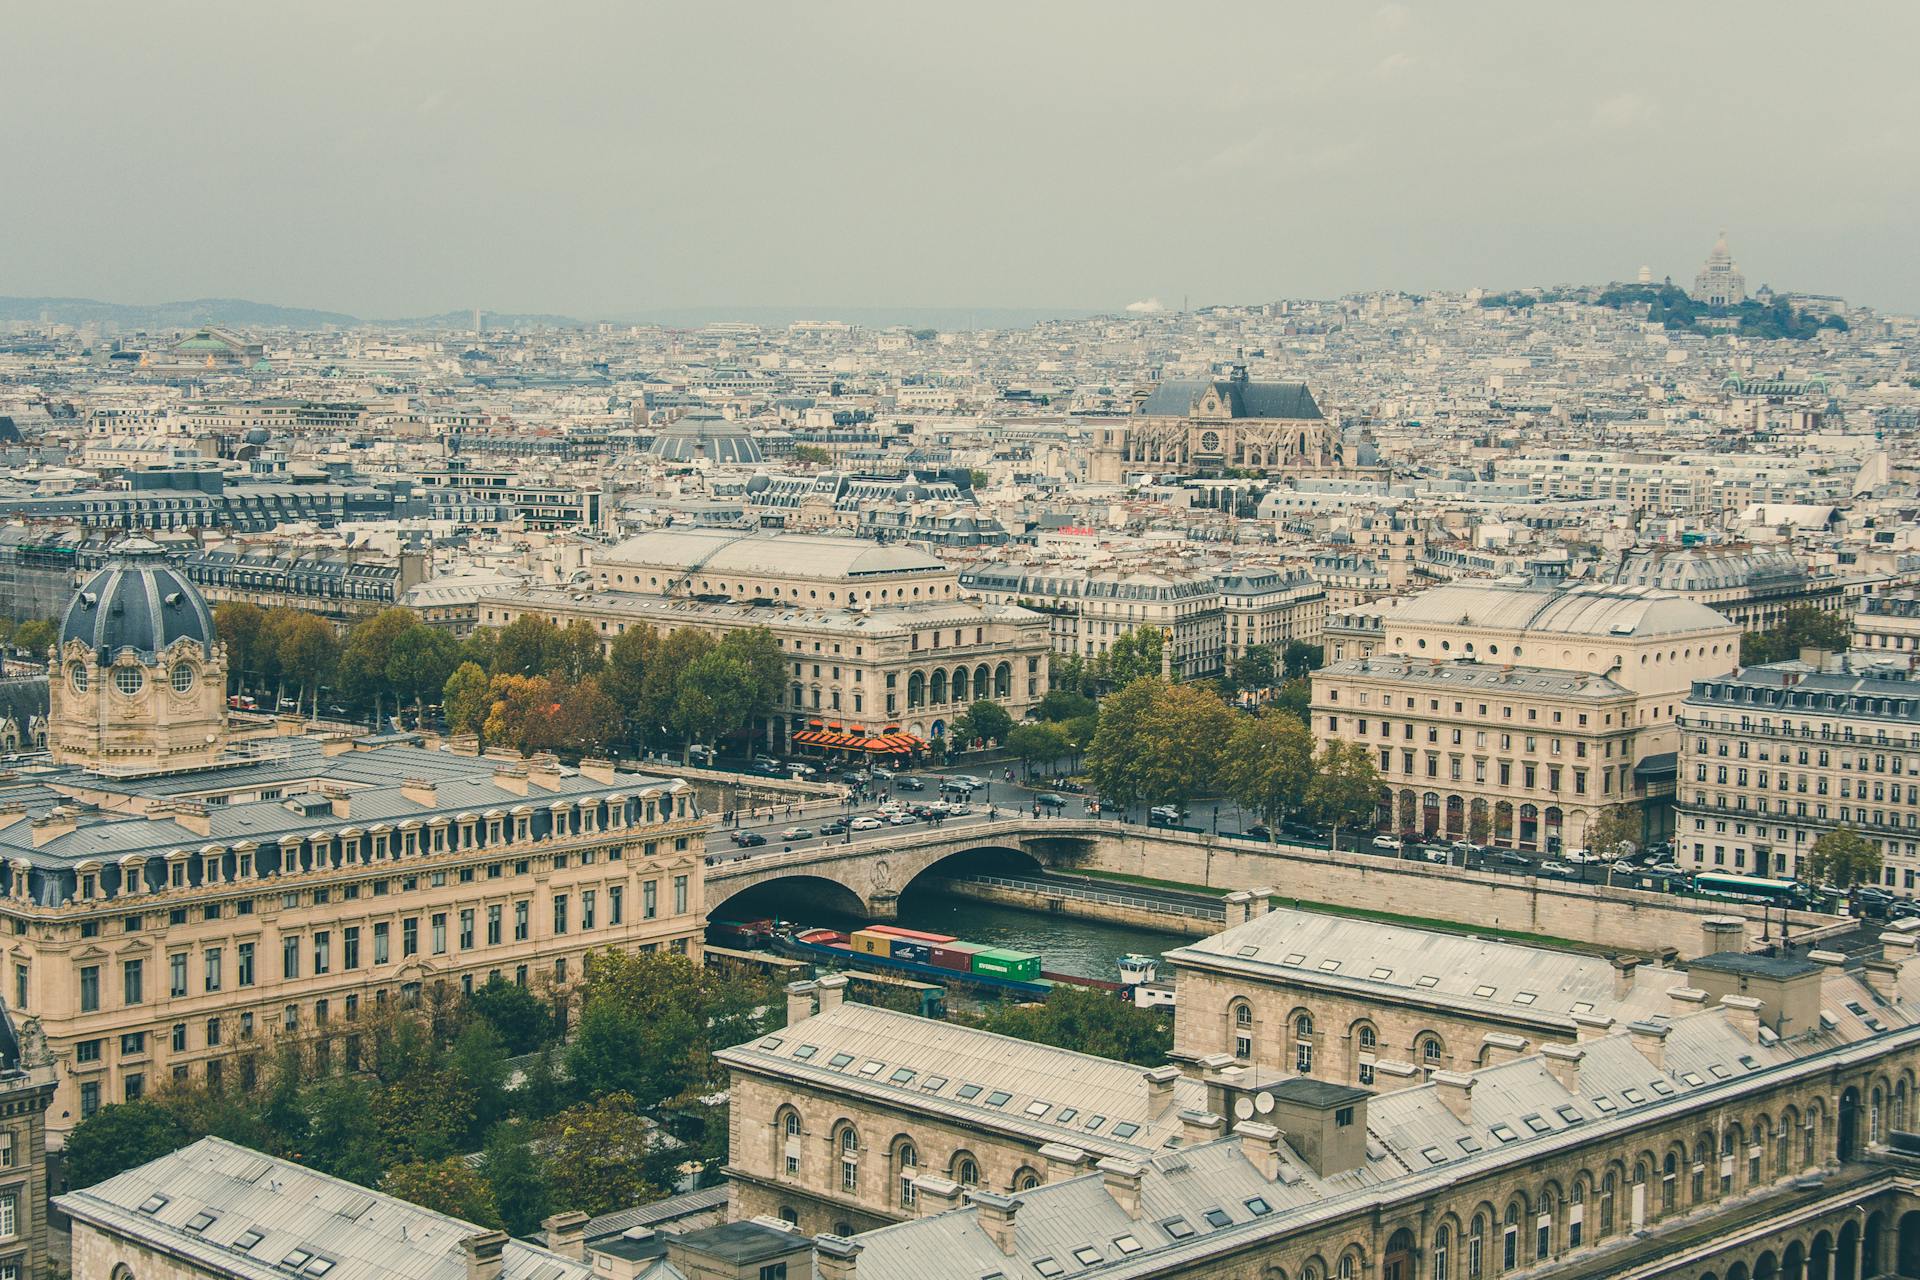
(1021, 966)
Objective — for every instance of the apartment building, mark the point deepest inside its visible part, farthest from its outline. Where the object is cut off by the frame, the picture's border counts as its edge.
(1887, 628)
(1747, 586)
(1773, 757)
(174, 901)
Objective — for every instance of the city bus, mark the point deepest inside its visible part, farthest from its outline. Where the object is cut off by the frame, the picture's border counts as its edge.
(1753, 888)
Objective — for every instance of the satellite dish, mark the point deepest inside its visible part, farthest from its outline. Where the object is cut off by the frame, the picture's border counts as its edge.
(1243, 1109)
(1263, 1103)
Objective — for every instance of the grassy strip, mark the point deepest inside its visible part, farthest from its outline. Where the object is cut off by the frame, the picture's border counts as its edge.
(1362, 913)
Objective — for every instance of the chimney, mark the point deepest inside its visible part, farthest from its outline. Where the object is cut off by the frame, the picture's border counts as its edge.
(544, 772)
(1456, 1093)
(835, 1257)
(1623, 967)
(1262, 901)
(1901, 939)
(1650, 1038)
(1122, 1181)
(1563, 1064)
(1160, 1090)
(1831, 959)
(1743, 1015)
(336, 744)
(1260, 1143)
(1501, 1046)
(832, 991)
(934, 1194)
(1239, 907)
(799, 1002)
(510, 777)
(464, 744)
(419, 790)
(485, 1254)
(567, 1234)
(1687, 999)
(1592, 1026)
(1063, 1161)
(596, 770)
(995, 1213)
(1882, 975)
(1197, 1127)
(1722, 933)
(51, 825)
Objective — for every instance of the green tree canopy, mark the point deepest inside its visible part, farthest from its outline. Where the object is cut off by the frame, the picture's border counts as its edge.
(1060, 705)
(984, 721)
(465, 697)
(1299, 658)
(36, 636)
(1845, 858)
(597, 1156)
(1158, 743)
(1268, 764)
(239, 626)
(1802, 627)
(450, 1186)
(521, 1019)
(1345, 790)
(121, 1137)
(1038, 745)
(1089, 1021)
(527, 646)
(1134, 654)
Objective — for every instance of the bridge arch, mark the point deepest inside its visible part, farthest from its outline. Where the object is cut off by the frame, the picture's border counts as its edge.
(787, 897)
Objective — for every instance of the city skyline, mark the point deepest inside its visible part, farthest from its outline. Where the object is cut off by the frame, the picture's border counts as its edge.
(639, 164)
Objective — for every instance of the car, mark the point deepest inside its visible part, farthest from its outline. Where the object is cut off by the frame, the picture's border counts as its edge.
(1625, 868)
(701, 753)
(1551, 868)
(1581, 857)
(833, 827)
(1512, 858)
(797, 833)
(1386, 844)
(798, 770)
(748, 839)
(1439, 855)
(1048, 800)
(958, 808)
(1167, 815)
(852, 777)
(1465, 847)
(766, 759)
(1258, 831)
(1905, 909)
(867, 824)
(972, 780)
(909, 784)
(957, 787)
(769, 769)
(881, 771)
(901, 819)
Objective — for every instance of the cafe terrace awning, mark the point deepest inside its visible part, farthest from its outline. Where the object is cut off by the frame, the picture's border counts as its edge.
(881, 743)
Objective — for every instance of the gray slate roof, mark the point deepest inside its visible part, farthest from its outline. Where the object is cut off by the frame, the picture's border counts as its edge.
(1288, 400)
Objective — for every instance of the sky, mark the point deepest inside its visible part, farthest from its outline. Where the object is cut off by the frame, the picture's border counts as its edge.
(612, 160)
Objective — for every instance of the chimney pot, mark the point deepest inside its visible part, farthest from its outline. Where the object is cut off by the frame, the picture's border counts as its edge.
(832, 991)
(799, 1002)
(567, 1234)
(836, 1257)
(1200, 1126)
(1882, 975)
(1260, 1143)
(1563, 1062)
(1650, 1038)
(995, 1214)
(1456, 1093)
(1722, 933)
(485, 1254)
(1592, 1026)
(1160, 1089)
(1122, 1181)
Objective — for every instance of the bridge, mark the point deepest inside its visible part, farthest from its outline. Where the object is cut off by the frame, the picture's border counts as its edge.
(865, 877)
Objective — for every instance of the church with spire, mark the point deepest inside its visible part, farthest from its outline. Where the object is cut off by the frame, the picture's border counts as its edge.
(1720, 283)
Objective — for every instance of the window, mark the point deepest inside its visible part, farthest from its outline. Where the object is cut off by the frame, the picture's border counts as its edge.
(791, 1128)
(466, 929)
(10, 1213)
(289, 957)
(679, 895)
(244, 974)
(649, 899)
(211, 974)
(439, 923)
(89, 988)
(1442, 1252)
(519, 922)
(559, 913)
(849, 1159)
(616, 904)
(323, 951)
(133, 980)
(908, 1160)
(177, 974)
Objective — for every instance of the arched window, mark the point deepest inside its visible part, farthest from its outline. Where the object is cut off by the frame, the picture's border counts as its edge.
(1543, 1228)
(1025, 1180)
(1346, 1267)
(1669, 1180)
(1577, 1212)
(1874, 1101)
(966, 1170)
(1607, 1185)
(906, 1163)
(1303, 1043)
(1783, 1143)
(1442, 1253)
(789, 1128)
(1510, 1238)
(789, 1215)
(1368, 1038)
(1303, 1026)
(848, 1142)
(1432, 1053)
(1240, 1029)
(1477, 1247)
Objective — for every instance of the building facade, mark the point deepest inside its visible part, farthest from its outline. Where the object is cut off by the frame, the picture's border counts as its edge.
(1773, 757)
(1183, 428)
(177, 900)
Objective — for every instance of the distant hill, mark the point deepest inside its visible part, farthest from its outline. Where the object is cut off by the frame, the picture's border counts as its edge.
(237, 312)
(489, 320)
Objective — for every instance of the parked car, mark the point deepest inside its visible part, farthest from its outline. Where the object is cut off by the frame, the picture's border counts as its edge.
(1625, 868)
(1258, 831)
(797, 833)
(1465, 848)
(958, 808)
(909, 784)
(769, 768)
(867, 824)
(700, 753)
(881, 771)
(1386, 844)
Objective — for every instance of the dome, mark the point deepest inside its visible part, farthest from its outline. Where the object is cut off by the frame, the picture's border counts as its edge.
(138, 602)
(705, 435)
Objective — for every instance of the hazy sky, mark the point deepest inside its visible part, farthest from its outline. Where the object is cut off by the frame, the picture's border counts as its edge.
(401, 157)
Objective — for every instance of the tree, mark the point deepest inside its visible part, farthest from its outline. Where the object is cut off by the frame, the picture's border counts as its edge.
(480, 646)
(1064, 704)
(1614, 831)
(364, 658)
(1296, 698)
(521, 1019)
(450, 1186)
(1299, 658)
(1134, 653)
(984, 721)
(238, 625)
(121, 1137)
(518, 711)
(306, 652)
(1845, 858)
(1256, 670)
(465, 698)
(1069, 672)
(1113, 761)
(1089, 1021)
(596, 1156)
(661, 687)
(528, 646)
(582, 720)
(650, 1020)
(625, 677)
(580, 653)
(978, 479)
(1801, 627)
(758, 650)
(812, 453)
(1346, 786)
(343, 1134)
(1268, 764)
(515, 1178)
(420, 663)
(1079, 733)
(1037, 744)
(36, 635)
